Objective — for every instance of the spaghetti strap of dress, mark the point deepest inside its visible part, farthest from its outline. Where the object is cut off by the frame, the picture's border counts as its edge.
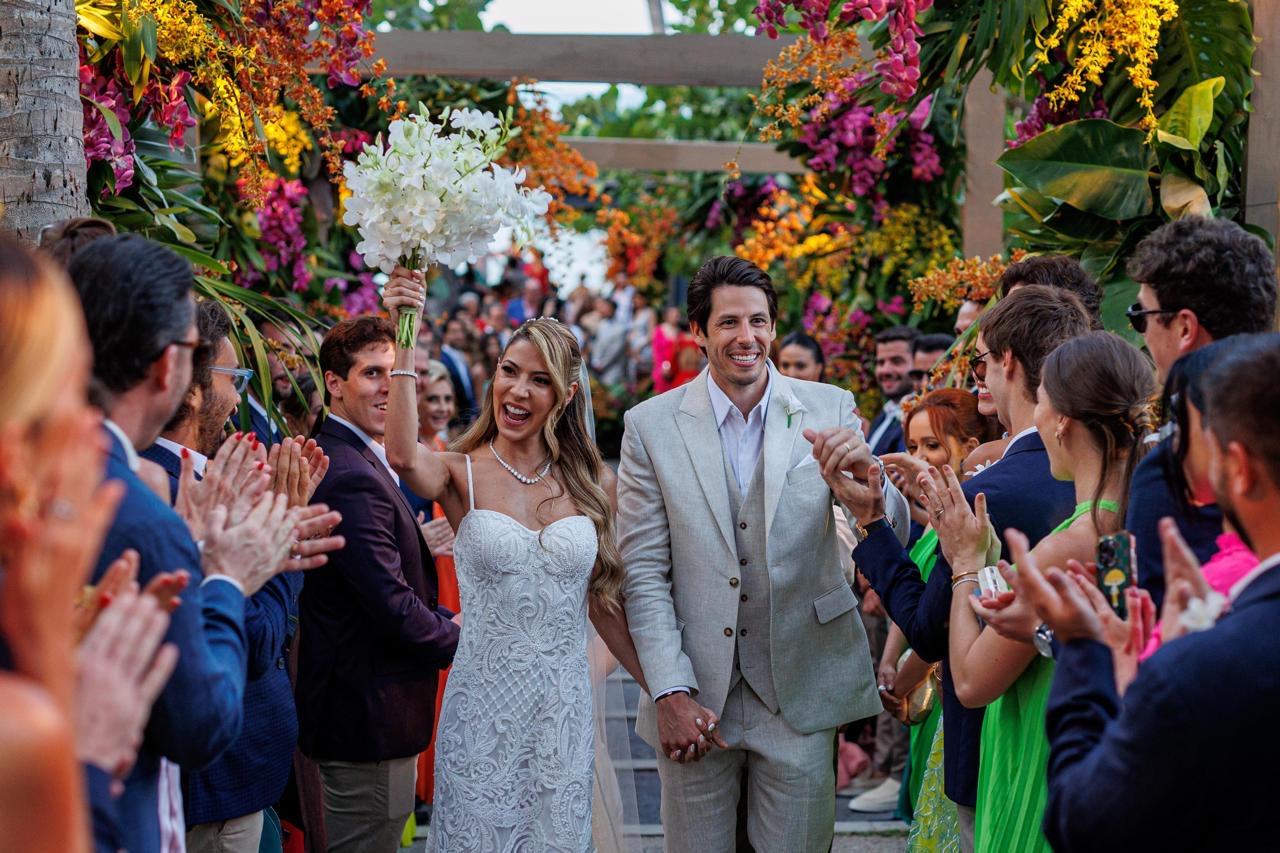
(471, 489)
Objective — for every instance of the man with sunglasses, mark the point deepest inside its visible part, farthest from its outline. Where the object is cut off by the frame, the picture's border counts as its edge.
(1200, 280)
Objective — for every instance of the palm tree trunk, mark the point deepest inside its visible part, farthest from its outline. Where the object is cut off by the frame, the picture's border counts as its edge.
(42, 167)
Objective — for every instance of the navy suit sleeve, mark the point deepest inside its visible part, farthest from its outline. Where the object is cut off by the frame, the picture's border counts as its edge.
(200, 710)
(1114, 774)
(266, 624)
(919, 609)
(370, 565)
(102, 811)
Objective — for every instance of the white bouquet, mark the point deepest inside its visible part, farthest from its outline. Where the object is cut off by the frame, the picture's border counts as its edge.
(430, 195)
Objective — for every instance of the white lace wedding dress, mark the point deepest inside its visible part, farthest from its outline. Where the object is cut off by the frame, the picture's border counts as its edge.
(515, 741)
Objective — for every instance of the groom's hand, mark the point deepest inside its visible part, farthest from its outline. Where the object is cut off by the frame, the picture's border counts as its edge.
(840, 449)
(686, 730)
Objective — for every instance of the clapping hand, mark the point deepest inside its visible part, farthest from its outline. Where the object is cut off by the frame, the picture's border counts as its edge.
(1005, 613)
(51, 531)
(438, 534)
(1055, 597)
(405, 289)
(1184, 581)
(237, 472)
(293, 463)
(120, 675)
(965, 534)
(1126, 637)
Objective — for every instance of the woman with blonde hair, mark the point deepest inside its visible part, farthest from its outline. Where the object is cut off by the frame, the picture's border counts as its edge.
(62, 708)
(534, 508)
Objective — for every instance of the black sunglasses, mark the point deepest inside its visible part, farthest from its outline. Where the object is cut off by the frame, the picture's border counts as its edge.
(1138, 315)
(979, 366)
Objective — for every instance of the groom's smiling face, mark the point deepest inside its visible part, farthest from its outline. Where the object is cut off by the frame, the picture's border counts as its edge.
(738, 334)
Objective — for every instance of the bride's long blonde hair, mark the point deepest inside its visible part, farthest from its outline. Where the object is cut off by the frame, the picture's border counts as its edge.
(571, 448)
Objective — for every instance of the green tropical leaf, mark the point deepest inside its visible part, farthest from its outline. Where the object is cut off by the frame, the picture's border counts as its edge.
(1191, 115)
(109, 115)
(1180, 196)
(1095, 165)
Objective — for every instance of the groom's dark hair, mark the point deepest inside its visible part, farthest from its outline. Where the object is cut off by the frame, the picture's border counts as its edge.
(720, 271)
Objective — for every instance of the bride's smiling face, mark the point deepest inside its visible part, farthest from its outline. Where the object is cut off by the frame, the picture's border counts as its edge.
(523, 393)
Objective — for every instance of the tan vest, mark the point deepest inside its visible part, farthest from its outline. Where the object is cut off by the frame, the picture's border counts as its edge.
(752, 660)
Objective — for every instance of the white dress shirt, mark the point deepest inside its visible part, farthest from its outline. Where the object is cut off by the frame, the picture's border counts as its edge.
(741, 437)
(1016, 439)
(376, 446)
(200, 460)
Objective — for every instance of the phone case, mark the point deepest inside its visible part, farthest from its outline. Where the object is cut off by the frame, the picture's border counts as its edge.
(1116, 559)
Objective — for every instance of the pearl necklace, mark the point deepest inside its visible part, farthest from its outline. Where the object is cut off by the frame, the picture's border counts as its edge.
(528, 481)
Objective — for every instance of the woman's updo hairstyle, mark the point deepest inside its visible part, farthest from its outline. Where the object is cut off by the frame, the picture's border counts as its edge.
(1107, 385)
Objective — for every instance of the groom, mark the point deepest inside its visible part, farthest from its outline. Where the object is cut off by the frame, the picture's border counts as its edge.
(735, 594)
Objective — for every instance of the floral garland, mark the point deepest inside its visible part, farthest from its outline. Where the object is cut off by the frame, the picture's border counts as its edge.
(973, 279)
(1109, 29)
(636, 238)
(548, 161)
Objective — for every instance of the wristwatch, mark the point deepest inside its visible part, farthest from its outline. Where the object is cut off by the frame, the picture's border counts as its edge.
(1043, 640)
(872, 527)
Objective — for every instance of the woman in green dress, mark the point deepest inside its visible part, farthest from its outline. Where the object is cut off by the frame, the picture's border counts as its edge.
(1091, 413)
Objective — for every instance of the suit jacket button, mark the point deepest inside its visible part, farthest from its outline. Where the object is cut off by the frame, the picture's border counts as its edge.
(728, 632)
(279, 663)
(742, 525)
(743, 632)
(432, 602)
(742, 562)
(733, 581)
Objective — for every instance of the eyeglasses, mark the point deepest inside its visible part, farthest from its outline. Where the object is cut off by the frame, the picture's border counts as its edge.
(917, 375)
(979, 366)
(1138, 315)
(240, 376)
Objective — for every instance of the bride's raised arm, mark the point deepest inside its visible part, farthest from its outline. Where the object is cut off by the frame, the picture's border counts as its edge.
(425, 470)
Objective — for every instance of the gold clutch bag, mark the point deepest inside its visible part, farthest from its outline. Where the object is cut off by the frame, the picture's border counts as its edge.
(919, 700)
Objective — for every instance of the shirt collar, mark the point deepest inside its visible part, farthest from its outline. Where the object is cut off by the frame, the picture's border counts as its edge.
(721, 405)
(1026, 432)
(257, 407)
(892, 408)
(176, 449)
(1239, 587)
(130, 453)
(376, 446)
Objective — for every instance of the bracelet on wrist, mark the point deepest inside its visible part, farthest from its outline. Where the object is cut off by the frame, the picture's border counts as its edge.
(960, 582)
(961, 575)
(405, 373)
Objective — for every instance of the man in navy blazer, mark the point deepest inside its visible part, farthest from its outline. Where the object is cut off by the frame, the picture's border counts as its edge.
(1190, 742)
(1200, 280)
(372, 636)
(139, 312)
(224, 802)
(1013, 341)
(138, 307)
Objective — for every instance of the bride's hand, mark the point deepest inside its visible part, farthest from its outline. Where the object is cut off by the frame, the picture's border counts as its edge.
(406, 289)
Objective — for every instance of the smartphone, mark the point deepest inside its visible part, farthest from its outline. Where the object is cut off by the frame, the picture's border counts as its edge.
(990, 582)
(1116, 561)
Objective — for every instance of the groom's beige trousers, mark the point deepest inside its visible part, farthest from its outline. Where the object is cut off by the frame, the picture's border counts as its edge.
(790, 785)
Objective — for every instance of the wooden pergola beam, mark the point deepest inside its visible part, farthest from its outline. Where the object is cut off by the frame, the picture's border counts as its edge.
(1262, 167)
(982, 223)
(657, 60)
(675, 155)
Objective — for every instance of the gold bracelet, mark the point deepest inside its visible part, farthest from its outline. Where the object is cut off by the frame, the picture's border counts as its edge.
(955, 578)
(957, 583)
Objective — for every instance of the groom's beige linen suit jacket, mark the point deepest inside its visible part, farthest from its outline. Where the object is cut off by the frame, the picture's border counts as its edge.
(683, 572)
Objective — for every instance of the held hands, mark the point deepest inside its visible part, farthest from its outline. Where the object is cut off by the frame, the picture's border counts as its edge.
(840, 450)
(405, 289)
(686, 730)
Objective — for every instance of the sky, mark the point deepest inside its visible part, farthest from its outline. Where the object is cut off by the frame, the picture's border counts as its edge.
(574, 255)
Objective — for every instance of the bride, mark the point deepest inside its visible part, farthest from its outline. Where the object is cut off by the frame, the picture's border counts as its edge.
(536, 551)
